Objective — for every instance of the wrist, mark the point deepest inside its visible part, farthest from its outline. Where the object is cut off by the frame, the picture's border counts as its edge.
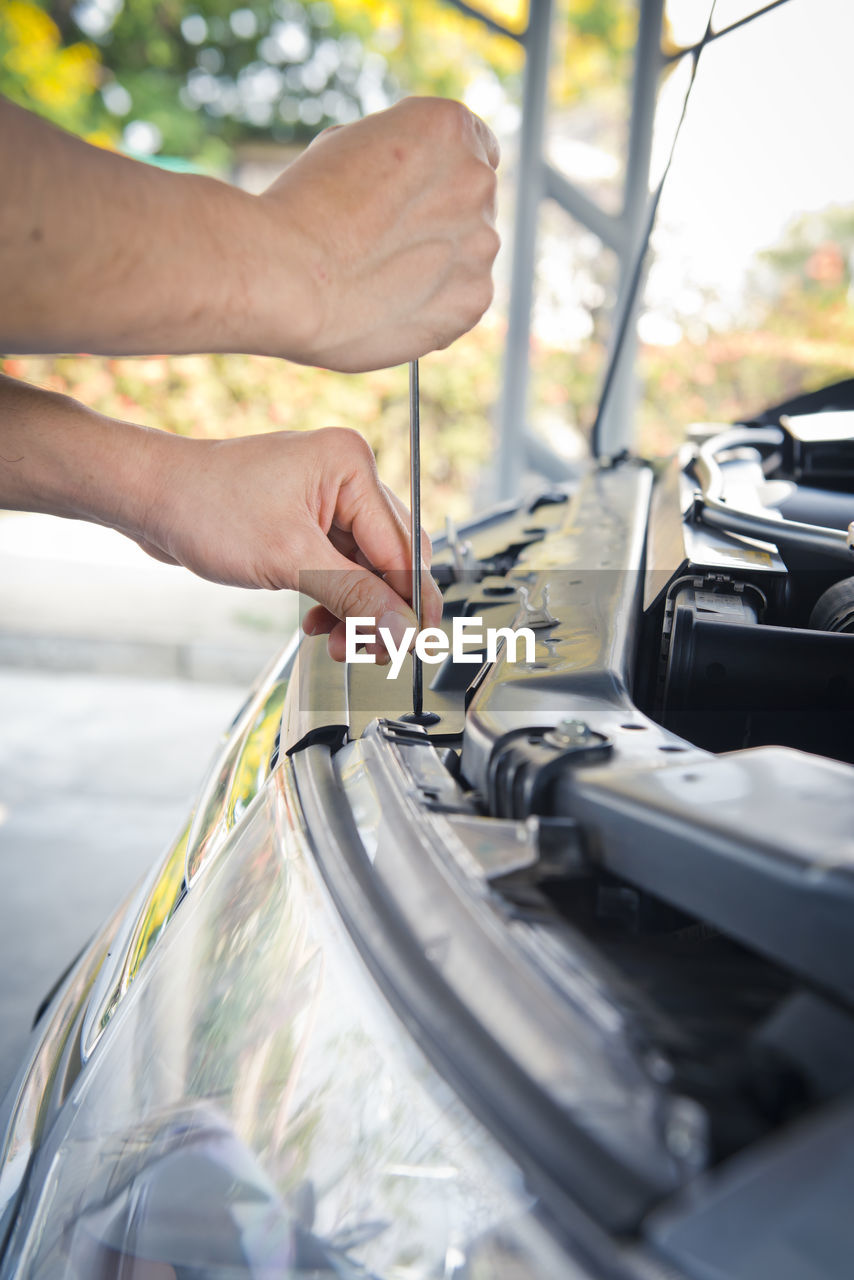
(277, 282)
(253, 283)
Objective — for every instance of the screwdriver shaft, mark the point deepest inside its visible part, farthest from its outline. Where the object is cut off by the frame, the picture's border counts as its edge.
(415, 507)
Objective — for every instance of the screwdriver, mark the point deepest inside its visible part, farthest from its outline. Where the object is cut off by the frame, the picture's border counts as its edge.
(415, 507)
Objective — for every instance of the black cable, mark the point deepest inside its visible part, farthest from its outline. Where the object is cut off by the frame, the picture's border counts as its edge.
(630, 294)
(725, 31)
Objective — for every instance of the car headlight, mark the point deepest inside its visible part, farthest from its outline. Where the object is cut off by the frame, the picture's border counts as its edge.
(236, 775)
(254, 1108)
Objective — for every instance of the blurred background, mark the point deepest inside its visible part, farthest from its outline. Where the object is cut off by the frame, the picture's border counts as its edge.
(134, 666)
(237, 91)
(750, 298)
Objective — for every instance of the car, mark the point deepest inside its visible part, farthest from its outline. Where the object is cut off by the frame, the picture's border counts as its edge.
(554, 979)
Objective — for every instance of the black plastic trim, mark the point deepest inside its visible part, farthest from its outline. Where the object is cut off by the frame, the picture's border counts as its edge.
(576, 1179)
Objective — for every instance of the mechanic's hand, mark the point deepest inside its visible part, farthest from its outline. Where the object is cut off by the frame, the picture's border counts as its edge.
(397, 216)
(295, 509)
(374, 247)
(304, 510)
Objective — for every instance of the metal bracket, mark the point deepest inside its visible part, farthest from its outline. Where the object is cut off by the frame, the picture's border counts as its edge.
(524, 764)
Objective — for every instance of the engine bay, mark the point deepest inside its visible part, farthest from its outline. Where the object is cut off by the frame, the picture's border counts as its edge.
(659, 806)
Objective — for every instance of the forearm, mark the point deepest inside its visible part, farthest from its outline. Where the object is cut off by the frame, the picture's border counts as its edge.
(302, 510)
(100, 253)
(374, 247)
(58, 457)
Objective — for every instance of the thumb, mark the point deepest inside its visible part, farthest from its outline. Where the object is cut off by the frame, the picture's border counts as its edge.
(349, 591)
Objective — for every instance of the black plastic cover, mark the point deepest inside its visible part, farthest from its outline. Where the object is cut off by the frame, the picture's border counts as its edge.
(758, 843)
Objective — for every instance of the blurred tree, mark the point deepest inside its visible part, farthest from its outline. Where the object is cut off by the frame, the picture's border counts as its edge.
(794, 333)
(210, 70)
(193, 77)
(42, 70)
(597, 48)
(814, 259)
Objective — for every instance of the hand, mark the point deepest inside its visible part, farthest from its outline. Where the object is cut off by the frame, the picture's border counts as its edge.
(304, 510)
(374, 247)
(397, 216)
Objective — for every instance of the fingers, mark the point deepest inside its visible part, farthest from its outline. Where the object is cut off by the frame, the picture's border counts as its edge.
(405, 515)
(394, 219)
(343, 540)
(438, 114)
(380, 526)
(375, 518)
(487, 140)
(320, 621)
(431, 597)
(337, 630)
(346, 591)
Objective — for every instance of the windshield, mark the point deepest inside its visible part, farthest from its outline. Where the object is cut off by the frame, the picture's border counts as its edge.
(745, 297)
(749, 297)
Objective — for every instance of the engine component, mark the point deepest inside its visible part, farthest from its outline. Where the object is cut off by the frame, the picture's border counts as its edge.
(819, 446)
(756, 843)
(834, 609)
(729, 681)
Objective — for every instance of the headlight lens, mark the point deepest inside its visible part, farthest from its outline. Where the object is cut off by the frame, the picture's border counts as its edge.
(255, 1109)
(37, 1082)
(235, 778)
(239, 773)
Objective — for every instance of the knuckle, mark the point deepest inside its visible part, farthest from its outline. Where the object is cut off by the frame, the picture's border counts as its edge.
(442, 338)
(321, 139)
(480, 299)
(485, 185)
(348, 443)
(495, 149)
(487, 244)
(451, 118)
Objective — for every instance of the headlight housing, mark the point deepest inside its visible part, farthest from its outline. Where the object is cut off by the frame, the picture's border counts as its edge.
(255, 1109)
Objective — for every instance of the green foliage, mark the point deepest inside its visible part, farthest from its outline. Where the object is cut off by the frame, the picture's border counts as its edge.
(735, 374)
(207, 74)
(39, 70)
(814, 259)
(202, 70)
(210, 73)
(799, 336)
(595, 41)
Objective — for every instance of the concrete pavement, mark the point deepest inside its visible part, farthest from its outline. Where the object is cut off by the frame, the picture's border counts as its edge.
(79, 597)
(97, 776)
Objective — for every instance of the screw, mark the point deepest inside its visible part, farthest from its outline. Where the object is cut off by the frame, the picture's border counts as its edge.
(686, 1132)
(570, 733)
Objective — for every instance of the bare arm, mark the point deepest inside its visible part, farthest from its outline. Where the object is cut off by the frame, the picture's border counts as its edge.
(374, 247)
(304, 510)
